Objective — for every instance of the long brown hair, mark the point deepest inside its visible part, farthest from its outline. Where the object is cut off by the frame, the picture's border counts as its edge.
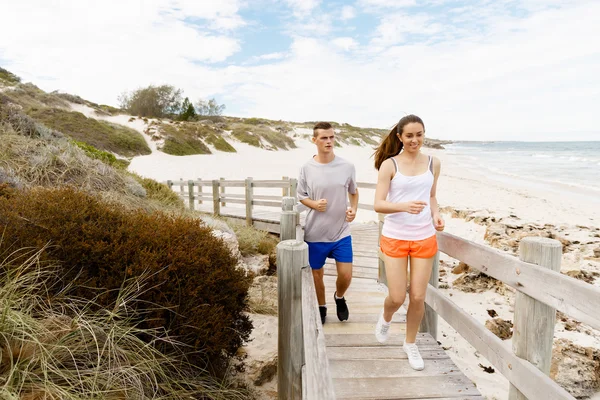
(392, 145)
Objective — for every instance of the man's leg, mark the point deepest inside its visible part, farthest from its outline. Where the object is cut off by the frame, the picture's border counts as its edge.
(342, 253)
(317, 253)
(319, 285)
(344, 278)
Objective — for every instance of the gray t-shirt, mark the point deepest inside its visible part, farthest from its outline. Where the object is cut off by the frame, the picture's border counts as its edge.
(332, 181)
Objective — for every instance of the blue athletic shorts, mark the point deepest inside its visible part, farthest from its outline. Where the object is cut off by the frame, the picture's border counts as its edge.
(340, 251)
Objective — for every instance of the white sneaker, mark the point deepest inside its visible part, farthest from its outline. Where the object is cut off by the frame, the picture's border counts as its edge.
(414, 357)
(382, 329)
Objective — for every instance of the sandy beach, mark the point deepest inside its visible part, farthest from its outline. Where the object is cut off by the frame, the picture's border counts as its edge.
(463, 193)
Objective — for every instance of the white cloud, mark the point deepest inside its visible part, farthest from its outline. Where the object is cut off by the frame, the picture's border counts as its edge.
(491, 75)
(345, 43)
(302, 8)
(348, 12)
(387, 3)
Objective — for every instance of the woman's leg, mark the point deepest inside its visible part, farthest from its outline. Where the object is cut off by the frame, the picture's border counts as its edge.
(396, 272)
(420, 272)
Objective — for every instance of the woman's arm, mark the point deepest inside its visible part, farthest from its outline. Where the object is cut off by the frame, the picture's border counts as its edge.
(438, 221)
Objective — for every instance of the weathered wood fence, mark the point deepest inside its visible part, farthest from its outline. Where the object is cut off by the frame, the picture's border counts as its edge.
(541, 290)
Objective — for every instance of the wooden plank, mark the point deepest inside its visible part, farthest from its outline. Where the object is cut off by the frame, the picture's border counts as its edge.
(271, 184)
(231, 200)
(318, 383)
(382, 353)
(576, 298)
(352, 328)
(366, 185)
(237, 183)
(389, 368)
(215, 195)
(406, 388)
(522, 374)
(265, 203)
(248, 196)
(359, 317)
(368, 340)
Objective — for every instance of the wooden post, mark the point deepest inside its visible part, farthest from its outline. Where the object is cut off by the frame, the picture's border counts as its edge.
(533, 320)
(381, 277)
(286, 190)
(292, 256)
(199, 191)
(215, 193)
(429, 323)
(222, 182)
(289, 219)
(191, 194)
(293, 187)
(249, 196)
(170, 184)
(181, 186)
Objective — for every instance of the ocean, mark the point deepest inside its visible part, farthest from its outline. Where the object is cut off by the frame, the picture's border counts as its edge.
(573, 167)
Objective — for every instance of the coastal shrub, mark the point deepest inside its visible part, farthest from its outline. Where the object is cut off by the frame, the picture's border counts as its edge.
(100, 134)
(58, 347)
(159, 192)
(220, 143)
(193, 288)
(153, 101)
(184, 146)
(254, 241)
(104, 156)
(242, 134)
(9, 77)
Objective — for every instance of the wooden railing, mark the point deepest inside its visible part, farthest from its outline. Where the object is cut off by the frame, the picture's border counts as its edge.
(303, 367)
(541, 290)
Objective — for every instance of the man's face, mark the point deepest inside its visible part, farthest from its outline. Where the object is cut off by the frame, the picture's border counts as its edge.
(324, 140)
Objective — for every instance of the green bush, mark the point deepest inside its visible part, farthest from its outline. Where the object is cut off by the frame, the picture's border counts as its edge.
(220, 143)
(104, 156)
(242, 134)
(8, 76)
(100, 134)
(160, 192)
(184, 146)
(198, 293)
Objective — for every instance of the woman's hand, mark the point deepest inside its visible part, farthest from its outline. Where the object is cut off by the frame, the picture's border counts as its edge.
(438, 222)
(414, 207)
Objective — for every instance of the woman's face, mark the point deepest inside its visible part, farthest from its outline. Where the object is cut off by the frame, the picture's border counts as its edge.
(412, 136)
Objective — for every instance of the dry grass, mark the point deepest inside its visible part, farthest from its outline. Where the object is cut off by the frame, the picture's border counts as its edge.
(262, 295)
(61, 348)
(253, 241)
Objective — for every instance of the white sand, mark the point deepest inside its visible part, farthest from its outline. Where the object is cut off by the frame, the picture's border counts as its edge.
(458, 187)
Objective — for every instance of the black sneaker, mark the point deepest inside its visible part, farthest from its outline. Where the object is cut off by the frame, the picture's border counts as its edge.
(323, 312)
(342, 308)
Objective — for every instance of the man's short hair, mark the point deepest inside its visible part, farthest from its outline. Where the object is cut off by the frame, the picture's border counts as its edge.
(321, 125)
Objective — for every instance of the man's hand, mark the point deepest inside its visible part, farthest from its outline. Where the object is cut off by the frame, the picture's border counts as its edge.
(438, 222)
(321, 205)
(350, 214)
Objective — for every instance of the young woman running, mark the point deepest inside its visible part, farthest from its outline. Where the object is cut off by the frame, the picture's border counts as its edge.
(405, 191)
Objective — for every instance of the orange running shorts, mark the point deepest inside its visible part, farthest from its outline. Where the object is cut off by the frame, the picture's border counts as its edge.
(397, 248)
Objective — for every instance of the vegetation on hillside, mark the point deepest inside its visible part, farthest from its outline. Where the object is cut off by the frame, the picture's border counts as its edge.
(61, 347)
(100, 134)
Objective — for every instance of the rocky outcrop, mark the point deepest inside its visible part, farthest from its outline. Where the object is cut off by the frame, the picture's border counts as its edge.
(576, 368)
(500, 327)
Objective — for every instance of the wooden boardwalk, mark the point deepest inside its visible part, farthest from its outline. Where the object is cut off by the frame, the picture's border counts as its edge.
(314, 359)
(361, 367)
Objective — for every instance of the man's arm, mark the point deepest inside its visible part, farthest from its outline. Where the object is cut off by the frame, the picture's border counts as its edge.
(302, 193)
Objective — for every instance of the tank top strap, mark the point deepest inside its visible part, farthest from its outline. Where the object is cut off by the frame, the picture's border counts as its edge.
(431, 164)
(395, 164)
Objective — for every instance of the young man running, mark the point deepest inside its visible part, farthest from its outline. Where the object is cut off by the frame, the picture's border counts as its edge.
(325, 184)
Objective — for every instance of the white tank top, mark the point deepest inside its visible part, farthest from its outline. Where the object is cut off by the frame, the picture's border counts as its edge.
(403, 225)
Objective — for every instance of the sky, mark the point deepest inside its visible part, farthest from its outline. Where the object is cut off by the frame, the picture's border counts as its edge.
(473, 70)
